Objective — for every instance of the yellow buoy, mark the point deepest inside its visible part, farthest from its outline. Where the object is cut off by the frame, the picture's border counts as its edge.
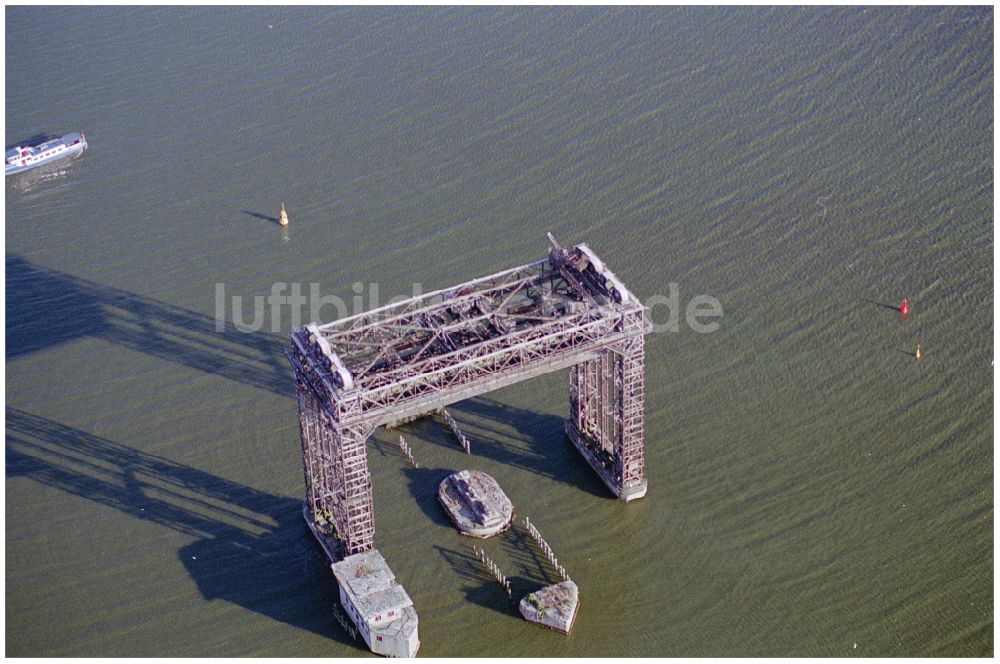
(917, 354)
(283, 217)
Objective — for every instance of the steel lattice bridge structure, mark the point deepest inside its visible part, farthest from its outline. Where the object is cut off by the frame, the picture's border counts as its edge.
(407, 359)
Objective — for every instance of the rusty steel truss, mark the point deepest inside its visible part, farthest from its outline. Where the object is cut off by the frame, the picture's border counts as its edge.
(390, 364)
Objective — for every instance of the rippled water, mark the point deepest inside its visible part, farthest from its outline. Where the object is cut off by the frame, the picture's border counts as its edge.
(813, 489)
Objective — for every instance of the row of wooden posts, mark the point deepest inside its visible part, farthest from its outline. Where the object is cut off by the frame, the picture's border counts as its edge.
(546, 549)
(407, 452)
(458, 432)
(542, 544)
(493, 568)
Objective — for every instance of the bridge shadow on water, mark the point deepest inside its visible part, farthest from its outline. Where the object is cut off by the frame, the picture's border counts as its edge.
(47, 308)
(250, 547)
(84, 309)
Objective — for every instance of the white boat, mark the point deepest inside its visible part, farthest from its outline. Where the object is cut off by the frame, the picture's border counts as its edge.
(21, 158)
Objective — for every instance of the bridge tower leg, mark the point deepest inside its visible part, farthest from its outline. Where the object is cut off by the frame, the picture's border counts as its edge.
(316, 459)
(631, 462)
(356, 520)
(606, 423)
(338, 482)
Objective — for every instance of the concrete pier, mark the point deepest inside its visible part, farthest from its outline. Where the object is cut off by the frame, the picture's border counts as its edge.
(554, 607)
(377, 604)
(476, 503)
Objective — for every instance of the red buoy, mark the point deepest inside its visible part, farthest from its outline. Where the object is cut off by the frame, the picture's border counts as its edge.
(905, 307)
